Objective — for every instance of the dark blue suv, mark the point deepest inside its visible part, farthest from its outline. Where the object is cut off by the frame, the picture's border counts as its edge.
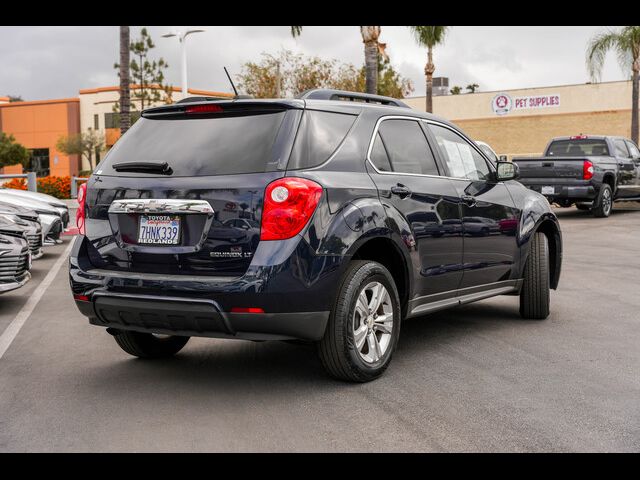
(327, 218)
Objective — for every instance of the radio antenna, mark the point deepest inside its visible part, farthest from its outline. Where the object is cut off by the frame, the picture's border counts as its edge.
(230, 81)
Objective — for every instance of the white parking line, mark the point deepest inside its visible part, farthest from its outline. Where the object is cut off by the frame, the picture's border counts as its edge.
(9, 335)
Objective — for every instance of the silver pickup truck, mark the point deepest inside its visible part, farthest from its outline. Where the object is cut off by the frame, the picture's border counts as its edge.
(590, 171)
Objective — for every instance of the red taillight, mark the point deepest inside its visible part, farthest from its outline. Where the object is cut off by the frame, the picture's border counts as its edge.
(578, 137)
(246, 310)
(80, 214)
(81, 298)
(288, 206)
(203, 109)
(587, 170)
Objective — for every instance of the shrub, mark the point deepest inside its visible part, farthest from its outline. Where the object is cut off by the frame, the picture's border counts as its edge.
(17, 183)
(59, 187)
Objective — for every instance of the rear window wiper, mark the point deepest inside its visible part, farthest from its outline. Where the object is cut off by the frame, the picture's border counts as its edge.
(143, 167)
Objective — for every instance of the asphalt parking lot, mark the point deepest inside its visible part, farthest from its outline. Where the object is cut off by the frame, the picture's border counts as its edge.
(477, 378)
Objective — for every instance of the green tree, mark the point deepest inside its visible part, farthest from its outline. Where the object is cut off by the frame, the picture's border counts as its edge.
(472, 87)
(289, 74)
(456, 90)
(372, 48)
(146, 74)
(15, 98)
(11, 152)
(626, 44)
(429, 37)
(86, 144)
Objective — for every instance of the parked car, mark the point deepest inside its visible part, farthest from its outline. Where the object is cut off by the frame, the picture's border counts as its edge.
(488, 151)
(56, 203)
(589, 171)
(49, 216)
(15, 257)
(334, 185)
(32, 230)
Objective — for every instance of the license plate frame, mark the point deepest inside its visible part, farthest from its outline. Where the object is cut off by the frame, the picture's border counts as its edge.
(159, 232)
(548, 190)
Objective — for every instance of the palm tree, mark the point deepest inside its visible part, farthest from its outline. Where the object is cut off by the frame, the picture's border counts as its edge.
(372, 48)
(429, 37)
(626, 44)
(125, 94)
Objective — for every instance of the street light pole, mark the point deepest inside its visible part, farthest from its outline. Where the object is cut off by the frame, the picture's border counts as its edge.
(182, 37)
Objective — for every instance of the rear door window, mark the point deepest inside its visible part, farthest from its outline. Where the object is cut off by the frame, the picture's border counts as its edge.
(405, 146)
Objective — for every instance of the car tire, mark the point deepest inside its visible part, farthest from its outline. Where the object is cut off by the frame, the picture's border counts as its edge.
(604, 202)
(357, 346)
(148, 345)
(535, 292)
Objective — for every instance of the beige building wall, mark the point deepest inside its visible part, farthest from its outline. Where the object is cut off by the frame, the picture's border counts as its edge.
(602, 108)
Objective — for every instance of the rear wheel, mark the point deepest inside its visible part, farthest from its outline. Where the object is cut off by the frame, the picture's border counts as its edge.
(148, 345)
(364, 325)
(534, 296)
(604, 202)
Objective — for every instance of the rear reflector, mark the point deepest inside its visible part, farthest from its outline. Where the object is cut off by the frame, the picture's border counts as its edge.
(246, 310)
(203, 109)
(81, 298)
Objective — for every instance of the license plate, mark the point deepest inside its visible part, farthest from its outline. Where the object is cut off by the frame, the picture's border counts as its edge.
(548, 190)
(159, 229)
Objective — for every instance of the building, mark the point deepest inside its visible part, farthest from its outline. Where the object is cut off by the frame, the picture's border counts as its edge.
(522, 121)
(39, 124)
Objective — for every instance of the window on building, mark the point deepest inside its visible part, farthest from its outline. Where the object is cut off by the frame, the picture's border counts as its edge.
(96, 122)
(112, 119)
(39, 161)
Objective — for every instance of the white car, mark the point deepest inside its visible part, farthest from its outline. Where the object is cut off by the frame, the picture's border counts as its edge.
(488, 151)
(50, 217)
(58, 204)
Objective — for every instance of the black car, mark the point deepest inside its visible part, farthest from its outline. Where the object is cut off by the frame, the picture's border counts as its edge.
(336, 181)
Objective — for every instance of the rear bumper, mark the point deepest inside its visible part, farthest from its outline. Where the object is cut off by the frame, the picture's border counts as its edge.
(293, 288)
(198, 318)
(580, 190)
(19, 282)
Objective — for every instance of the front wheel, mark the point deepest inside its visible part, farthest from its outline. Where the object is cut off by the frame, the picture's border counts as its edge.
(148, 345)
(604, 203)
(364, 325)
(535, 293)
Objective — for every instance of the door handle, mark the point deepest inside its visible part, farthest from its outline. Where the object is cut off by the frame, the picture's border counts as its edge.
(401, 191)
(469, 200)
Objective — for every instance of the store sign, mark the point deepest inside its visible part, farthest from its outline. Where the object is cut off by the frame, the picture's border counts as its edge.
(502, 103)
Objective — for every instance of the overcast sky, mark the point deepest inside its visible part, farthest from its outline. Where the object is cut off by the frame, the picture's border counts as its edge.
(55, 62)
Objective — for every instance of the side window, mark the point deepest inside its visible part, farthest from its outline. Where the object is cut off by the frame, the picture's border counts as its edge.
(379, 155)
(621, 148)
(463, 161)
(407, 147)
(633, 150)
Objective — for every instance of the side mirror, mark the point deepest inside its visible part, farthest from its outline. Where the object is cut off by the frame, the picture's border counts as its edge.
(503, 158)
(507, 171)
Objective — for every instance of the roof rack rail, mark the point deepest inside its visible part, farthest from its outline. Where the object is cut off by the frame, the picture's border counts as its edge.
(330, 94)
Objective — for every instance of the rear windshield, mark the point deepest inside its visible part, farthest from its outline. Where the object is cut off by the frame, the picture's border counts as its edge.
(201, 146)
(578, 148)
